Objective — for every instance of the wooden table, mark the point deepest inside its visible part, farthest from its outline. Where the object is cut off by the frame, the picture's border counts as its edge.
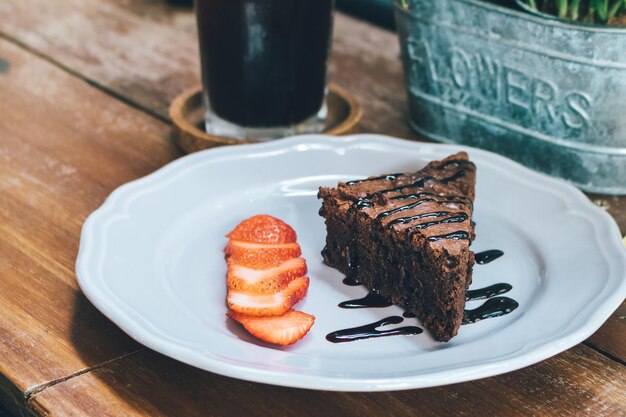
(84, 88)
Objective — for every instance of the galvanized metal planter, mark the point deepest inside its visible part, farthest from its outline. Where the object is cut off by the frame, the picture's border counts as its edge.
(547, 93)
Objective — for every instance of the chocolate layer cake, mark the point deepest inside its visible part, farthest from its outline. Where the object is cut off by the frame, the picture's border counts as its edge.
(407, 236)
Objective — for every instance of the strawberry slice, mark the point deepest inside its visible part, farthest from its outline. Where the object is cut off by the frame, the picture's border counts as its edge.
(260, 255)
(280, 330)
(265, 281)
(263, 228)
(257, 304)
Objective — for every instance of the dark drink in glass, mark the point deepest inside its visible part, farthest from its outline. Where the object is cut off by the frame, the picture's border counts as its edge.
(264, 65)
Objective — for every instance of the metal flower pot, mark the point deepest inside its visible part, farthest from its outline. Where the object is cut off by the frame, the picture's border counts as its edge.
(547, 93)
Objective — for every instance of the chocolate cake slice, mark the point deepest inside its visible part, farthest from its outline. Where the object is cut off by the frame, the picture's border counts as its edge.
(407, 236)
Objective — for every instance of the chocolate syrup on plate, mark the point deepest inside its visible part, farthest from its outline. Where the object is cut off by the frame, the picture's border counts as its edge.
(351, 280)
(407, 314)
(485, 257)
(372, 300)
(494, 307)
(487, 292)
(370, 331)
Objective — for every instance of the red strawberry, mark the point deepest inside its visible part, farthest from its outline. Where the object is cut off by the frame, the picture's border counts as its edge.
(260, 255)
(265, 281)
(280, 330)
(263, 228)
(257, 304)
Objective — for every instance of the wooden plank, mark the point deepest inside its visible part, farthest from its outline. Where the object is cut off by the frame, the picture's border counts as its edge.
(64, 147)
(132, 59)
(366, 60)
(579, 382)
(615, 206)
(611, 337)
(150, 53)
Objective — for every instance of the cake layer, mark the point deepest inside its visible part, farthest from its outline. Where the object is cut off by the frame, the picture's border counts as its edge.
(407, 236)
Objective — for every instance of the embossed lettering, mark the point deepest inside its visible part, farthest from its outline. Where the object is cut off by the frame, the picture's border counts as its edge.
(483, 83)
(576, 113)
(517, 86)
(488, 74)
(415, 49)
(544, 98)
(461, 65)
(419, 53)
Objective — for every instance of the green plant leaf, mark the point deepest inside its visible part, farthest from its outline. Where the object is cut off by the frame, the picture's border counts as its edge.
(574, 9)
(602, 9)
(616, 8)
(561, 6)
(597, 11)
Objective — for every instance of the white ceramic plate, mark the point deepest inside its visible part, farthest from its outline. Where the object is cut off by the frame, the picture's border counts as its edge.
(151, 260)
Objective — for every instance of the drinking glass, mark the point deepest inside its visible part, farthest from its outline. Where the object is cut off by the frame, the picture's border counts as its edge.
(264, 66)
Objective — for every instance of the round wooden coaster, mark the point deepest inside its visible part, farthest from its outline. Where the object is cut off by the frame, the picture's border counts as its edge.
(186, 112)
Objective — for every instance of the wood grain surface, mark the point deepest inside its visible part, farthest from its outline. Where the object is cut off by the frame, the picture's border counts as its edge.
(145, 52)
(566, 385)
(65, 146)
(84, 90)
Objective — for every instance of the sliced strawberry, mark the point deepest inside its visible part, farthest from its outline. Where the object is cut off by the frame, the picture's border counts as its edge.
(265, 281)
(256, 304)
(280, 330)
(263, 228)
(260, 255)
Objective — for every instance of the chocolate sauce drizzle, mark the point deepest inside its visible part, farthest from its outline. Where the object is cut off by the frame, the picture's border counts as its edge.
(370, 331)
(459, 218)
(421, 198)
(494, 307)
(488, 292)
(463, 164)
(458, 235)
(390, 177)
(420, 182)
(483, 258)
(449, 198)
(363, 203)
(391, 212)
(351, 280)
(372, 300)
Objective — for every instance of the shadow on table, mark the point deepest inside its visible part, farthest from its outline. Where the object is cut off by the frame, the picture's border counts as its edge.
(95, 337)
(5, 413)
